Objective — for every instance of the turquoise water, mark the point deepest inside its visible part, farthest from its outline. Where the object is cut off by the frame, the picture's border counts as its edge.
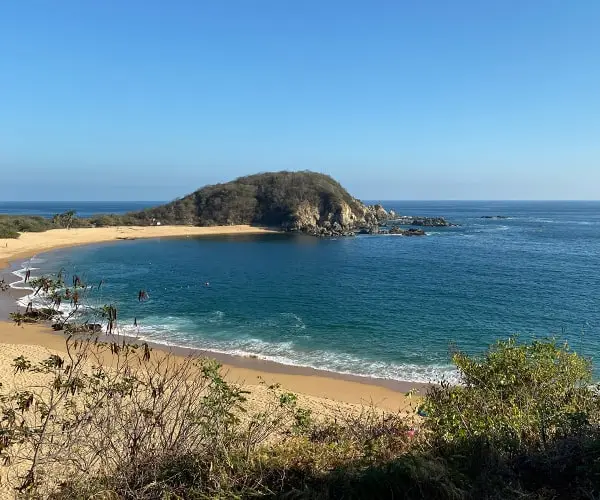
(382, 306)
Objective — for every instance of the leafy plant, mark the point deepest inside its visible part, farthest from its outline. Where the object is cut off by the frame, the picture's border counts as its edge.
(517, 397)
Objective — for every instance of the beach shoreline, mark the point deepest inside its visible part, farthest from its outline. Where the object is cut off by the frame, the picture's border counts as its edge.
(30, 244)
(329, 385)
(336, 388)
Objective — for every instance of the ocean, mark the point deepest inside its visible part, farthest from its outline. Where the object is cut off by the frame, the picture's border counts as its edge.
(83, 208)
(376, 306)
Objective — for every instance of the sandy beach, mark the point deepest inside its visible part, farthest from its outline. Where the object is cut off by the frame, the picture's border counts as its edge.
(317, 389)
(316, 386)
(29, 244)
(324, 397)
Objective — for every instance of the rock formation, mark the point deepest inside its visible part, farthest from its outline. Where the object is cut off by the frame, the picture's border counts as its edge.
(306, 202)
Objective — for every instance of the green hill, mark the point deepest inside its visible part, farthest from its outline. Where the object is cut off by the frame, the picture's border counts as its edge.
(295, 201)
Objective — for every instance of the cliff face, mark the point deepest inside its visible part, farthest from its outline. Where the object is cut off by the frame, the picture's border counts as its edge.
(343, 219)
(308, 202)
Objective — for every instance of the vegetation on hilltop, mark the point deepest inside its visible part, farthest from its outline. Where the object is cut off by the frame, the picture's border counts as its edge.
(271, 199)
(12, 225)
(288, 200)
(524, 423)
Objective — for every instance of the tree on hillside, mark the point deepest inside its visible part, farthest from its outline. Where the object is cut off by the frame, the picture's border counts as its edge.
(65, 219)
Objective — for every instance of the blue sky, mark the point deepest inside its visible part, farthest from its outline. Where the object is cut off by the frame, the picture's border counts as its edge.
(121, 100)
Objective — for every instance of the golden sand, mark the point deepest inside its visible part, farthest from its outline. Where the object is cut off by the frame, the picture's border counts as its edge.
(29, 244)
(31, 340)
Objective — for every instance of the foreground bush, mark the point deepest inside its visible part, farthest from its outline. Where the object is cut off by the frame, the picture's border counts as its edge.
(517, 398)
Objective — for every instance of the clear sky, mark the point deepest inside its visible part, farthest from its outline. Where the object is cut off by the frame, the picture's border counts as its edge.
(431, 99)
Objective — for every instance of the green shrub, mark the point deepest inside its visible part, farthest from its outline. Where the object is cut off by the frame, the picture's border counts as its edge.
(11, 225)
(80, 222)
(111, 220)
(516, 397)
(105, 220)
(8, 232)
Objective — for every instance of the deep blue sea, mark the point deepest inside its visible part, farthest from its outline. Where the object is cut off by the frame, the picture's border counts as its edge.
(381, 306)
(83, 208)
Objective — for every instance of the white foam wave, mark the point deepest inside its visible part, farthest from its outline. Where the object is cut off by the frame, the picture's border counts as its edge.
(21, 273)
(575, 222)
(287, 353)
(214, 317)
(175, 331)
(21, 285)
(282, 320)
(483, 228)
(41, 300)
(36, 260)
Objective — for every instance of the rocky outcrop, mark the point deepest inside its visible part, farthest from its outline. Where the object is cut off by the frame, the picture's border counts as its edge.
(307, 216)
(307, 202)
(406, 232)
(397, 230)
(422, 221)
(430, 222)
(345, 220)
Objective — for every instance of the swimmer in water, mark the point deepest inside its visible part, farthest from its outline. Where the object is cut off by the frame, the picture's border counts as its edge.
(207, 284)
